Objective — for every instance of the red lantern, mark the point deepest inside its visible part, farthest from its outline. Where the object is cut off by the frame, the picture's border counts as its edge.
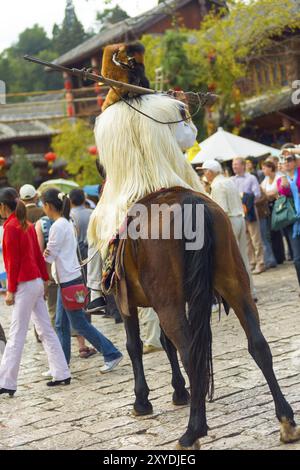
(70, 110)
(93, 150)
(50, 157)
(2, 162)
(68, 85)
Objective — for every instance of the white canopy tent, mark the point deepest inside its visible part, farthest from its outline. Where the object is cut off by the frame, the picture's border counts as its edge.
(223, 146)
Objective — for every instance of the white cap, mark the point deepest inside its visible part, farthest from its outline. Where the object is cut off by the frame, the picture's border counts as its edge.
(212, 165)
(27, 192)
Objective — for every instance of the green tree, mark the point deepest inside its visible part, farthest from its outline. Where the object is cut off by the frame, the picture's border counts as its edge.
(223, 48)
(169, 52)
(72, 145)
(70, 34)
(175, 62)
(218, 55)
(110, 16)
(22, 76)
(32, 41)
(22, 170)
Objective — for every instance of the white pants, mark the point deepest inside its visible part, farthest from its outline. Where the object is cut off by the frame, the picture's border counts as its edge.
(239, 230)
(29, 302)
(150, 321)
(94, 272)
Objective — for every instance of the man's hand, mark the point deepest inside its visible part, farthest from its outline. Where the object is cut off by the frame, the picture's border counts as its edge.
(10, 298)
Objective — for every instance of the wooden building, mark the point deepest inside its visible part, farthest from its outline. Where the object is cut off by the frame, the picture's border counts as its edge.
(85, 99)
(272, 110)
(31, 125)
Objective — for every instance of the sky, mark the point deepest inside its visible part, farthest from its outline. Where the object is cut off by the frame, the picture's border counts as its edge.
(17, 15)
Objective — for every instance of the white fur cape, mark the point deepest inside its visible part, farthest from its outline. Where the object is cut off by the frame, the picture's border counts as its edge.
(139, 156)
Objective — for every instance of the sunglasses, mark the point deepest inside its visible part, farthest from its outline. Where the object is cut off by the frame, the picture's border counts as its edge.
(289, 159)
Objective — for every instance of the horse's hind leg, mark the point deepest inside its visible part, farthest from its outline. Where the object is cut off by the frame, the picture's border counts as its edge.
(142, 405)
(175, 325)
(239, 298)
(180, 395)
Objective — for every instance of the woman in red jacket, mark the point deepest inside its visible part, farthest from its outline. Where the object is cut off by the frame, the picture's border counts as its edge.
(26, 288)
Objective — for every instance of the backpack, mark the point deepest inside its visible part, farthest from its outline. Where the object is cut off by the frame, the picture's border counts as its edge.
(45, 226)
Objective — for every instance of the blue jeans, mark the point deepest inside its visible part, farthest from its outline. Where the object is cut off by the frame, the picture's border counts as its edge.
(265, 229)
(295, 243)
(77, 319)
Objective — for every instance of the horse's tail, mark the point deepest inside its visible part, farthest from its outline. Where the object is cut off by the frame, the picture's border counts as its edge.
(199, 289)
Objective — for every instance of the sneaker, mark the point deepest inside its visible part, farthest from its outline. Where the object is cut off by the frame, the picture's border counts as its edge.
(97, 305)
(110, 365)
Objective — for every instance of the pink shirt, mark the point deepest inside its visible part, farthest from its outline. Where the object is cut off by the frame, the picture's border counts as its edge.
(287, 191)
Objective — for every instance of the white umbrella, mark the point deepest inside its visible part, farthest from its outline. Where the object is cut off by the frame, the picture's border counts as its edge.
(224, 146)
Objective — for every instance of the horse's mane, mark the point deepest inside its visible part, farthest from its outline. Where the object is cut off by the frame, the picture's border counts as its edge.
(139, 156)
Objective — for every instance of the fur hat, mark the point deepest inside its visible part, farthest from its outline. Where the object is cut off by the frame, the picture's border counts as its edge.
(125, 63)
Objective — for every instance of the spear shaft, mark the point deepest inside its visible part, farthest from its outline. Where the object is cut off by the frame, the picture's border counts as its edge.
(87, 75)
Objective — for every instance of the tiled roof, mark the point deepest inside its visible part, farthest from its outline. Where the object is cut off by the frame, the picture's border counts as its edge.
(47, 107)
(17, 130)
(268, 103)
(126, 30)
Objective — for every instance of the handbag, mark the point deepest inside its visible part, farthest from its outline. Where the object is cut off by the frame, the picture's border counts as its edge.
(74, 297)
(283, 214)
(262, 207)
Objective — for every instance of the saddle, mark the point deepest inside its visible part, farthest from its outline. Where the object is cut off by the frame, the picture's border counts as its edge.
(113, 270)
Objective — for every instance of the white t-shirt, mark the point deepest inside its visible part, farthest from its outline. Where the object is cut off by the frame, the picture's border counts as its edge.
(270, 187)
(62, 245)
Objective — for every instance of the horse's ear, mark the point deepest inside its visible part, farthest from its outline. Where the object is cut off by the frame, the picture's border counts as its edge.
(100, 169)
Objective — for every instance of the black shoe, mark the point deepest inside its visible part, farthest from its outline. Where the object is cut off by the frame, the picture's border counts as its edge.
(6, 390)
(55, 383)
(97, 305)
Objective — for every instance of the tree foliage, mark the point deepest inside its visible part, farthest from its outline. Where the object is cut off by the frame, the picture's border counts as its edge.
(32, 41)
(110, 16)
(22, 76)
(72, 145)
(68, 35)
(217, 56)
(225, 45)
(22, 170)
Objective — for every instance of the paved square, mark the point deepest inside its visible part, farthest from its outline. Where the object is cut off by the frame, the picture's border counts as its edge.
(94, 412)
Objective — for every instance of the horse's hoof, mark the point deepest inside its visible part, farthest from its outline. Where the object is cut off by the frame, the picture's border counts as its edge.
(142, 410)
(182, 399)
(289, 432)
(195, 446)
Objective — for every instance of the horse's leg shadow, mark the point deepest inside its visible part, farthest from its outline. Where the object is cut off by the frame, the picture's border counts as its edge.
(142, 405)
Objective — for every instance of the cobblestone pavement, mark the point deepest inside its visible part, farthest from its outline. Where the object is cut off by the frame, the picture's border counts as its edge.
(94, 412)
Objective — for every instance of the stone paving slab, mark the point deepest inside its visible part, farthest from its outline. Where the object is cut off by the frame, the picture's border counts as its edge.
(95, 411)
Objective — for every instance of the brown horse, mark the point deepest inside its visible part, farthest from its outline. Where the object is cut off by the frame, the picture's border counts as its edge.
(165, 275)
